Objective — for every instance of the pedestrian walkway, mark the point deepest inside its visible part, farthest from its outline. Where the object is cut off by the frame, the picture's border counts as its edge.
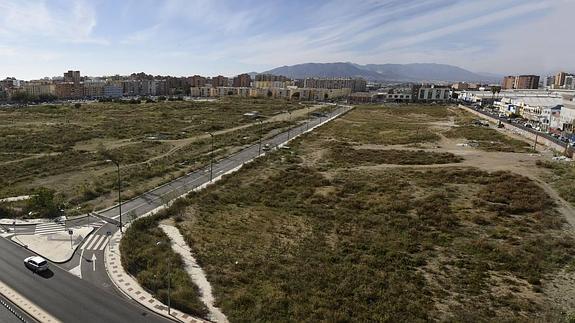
(46, 228)
(95, 242)
(195, 272)
(130, 287)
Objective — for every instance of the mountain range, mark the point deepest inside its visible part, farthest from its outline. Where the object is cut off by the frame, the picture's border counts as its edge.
(418, 72)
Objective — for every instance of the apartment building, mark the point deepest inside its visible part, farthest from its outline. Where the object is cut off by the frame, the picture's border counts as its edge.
(271, 78)
(355, 84)
(434, 94)
(38, 88)
(69, 90)
(72, 77)
(220, 81)
(242, 80)
(198, 81)
(560, 79)
(520, 82)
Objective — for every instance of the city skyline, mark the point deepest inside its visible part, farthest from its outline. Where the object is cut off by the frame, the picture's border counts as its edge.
(41, 38)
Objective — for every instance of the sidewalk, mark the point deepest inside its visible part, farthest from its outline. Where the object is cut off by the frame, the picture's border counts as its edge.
(130, 287)
(55, 247)
(9, 222)
(17, 222)
(194, 271)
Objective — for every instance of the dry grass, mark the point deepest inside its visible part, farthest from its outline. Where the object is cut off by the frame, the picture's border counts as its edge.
(62, 144)
(295, 237)
(342, 154)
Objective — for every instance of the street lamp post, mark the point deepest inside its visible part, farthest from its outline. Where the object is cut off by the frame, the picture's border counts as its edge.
(169, 281)
(119, 191)
(308, 119)
(289, 127)
(261, 130)
(169, 286)
(211, 157)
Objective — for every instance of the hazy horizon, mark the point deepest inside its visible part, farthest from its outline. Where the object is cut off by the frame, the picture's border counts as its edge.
(42, 38)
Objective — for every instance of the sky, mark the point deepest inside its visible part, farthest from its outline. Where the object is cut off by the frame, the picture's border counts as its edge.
(41, 38)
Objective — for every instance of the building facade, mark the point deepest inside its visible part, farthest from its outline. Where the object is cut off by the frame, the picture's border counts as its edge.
(434, 94)
(242, 80)
(355, 84)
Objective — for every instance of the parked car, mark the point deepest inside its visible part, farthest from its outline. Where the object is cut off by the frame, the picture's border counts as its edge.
(266, 147)
(528, 125)
(36, 263)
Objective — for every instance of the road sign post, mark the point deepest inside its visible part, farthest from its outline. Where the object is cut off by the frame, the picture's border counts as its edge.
(70, 232)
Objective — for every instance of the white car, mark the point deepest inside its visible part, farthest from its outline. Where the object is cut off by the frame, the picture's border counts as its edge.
(36, 263)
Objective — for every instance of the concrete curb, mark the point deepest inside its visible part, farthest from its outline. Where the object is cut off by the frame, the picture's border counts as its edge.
(55, 262)
(129, 287)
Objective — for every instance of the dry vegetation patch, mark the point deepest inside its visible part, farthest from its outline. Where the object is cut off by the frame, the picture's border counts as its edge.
(343, 154)
(55, 145)
(304, 236)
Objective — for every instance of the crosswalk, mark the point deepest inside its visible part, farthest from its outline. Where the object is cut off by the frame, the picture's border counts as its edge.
(46, 228)
(98, 224)
(95, 242)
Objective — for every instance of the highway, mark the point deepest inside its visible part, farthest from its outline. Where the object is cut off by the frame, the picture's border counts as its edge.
(93, 298)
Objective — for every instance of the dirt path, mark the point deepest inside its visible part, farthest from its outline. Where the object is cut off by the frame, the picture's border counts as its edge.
(195, 272)
(182, 143)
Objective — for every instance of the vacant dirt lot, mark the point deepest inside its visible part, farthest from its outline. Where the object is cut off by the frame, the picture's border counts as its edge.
(60, 147)
(387, 214)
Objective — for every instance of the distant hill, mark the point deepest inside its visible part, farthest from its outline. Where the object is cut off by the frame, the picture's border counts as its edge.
(419, 72)
(324, 70)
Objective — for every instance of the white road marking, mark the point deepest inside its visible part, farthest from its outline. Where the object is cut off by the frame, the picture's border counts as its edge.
(96, 238)
(101, 245)
(104, 244)
(87, 241)
(94, 262)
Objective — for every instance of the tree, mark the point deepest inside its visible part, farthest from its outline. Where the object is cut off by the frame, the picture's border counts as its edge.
(270, 94)
(45, 204)
(21, 97)
(495, 89)
(77, 105)
(326, 96)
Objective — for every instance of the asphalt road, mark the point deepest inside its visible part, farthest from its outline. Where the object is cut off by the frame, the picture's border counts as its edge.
(149, 201)
(156, 197)
(65, 296)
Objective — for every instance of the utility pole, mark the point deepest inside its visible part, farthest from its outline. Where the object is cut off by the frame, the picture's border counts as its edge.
(289, 127)
(308, 120)
(119, 191)
(261, 130)
(211, 157)
(535, 144)
(169, 287)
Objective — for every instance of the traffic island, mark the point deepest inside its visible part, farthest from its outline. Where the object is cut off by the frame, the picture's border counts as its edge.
(57, 247)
